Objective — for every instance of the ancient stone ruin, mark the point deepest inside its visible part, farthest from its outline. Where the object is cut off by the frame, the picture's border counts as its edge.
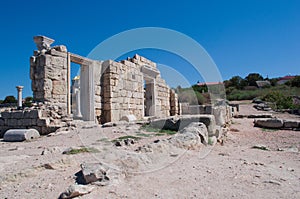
(105, 91)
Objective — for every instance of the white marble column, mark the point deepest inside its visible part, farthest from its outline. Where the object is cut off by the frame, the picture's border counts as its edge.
(87, 92)
(20, 103)
(78, 114)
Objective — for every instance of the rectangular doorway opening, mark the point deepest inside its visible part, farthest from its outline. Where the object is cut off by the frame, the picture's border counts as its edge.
(149, 97)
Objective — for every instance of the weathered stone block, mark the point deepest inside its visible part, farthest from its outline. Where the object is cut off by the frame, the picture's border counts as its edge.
(44, 60)
(19, 135)
(2, 122)
(17, 114)
(269, 123)
(59, 87)
(60, 48)
(94, 172)
(33, 122)
(32, 114)
(12, 122)
(43, 122)
(291, 124)
(6, 115)
(57, 53)
(129, 118)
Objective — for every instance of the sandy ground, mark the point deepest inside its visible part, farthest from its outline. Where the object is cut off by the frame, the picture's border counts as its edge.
(231, 170)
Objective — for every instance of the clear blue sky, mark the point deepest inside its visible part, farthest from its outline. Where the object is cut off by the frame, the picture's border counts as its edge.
(241, 36)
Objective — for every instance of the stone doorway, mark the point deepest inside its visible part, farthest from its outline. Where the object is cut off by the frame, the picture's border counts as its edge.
(149, 96)
(84, 96)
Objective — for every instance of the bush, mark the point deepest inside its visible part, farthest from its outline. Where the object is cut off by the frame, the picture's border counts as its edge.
(9, 100)
(295, 82)
(279, 100)
(190, 96)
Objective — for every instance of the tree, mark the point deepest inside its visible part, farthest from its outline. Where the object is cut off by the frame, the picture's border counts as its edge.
(236, 82)
(9, 100)
(295, 82)
(252, 78)
(28, 101)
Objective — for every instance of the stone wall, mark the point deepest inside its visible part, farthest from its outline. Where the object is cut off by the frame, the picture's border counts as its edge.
(122, 85)
(162, 90)
(48, 72)
(108, 90)
(174, 107)
(38, 119)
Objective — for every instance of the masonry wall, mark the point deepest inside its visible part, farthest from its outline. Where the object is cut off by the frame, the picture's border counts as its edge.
(48, 73)
(162, 98)
(174, 107)
(122, 86)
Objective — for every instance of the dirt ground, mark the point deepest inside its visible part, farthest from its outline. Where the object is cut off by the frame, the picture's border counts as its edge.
(38, 169)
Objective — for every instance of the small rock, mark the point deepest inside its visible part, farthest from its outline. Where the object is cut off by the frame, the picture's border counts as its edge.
(118, 143)
(272, 182)
(261, 147)
(108, 124)
(94, 173)
(75, 191)
(224, 154)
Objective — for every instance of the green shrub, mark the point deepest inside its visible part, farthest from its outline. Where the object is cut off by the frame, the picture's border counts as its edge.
(278, 100)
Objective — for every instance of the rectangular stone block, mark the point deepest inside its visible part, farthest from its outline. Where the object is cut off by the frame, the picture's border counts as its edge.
(33, 122)
(59, 87)
(17, 115)
(2, 122)
(12, 122)
(43, 122)
(291, 124)
(6, 115)
(32, 114)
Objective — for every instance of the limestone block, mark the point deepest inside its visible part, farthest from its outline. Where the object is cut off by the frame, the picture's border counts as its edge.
(43, 122)
(39, 72)
(43, 60)
(24, 122)
(6, 115)
(33, 122)
(76, 190)
(32, 114)
(129, 118)
(291, 124)
(57, 53)
(97, 98)
(58, 61)
(60, 48)
(59, 87)
(2, 122)
(94, 172)
(19, 135)
(12, 122)
(269, 123)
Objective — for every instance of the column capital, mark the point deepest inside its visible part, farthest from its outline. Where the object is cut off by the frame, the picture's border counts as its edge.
(19, 88)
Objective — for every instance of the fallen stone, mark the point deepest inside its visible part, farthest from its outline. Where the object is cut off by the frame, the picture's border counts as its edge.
(128, 118)
(53, 150)
(273, 182)
(108, 124)
(75, 191)
(19, 135)
(186, 140)
(291, 124)
(95, 173)
(260, 116)
(269, 123)
(198, 129)
(180, 122)
(261, 147)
